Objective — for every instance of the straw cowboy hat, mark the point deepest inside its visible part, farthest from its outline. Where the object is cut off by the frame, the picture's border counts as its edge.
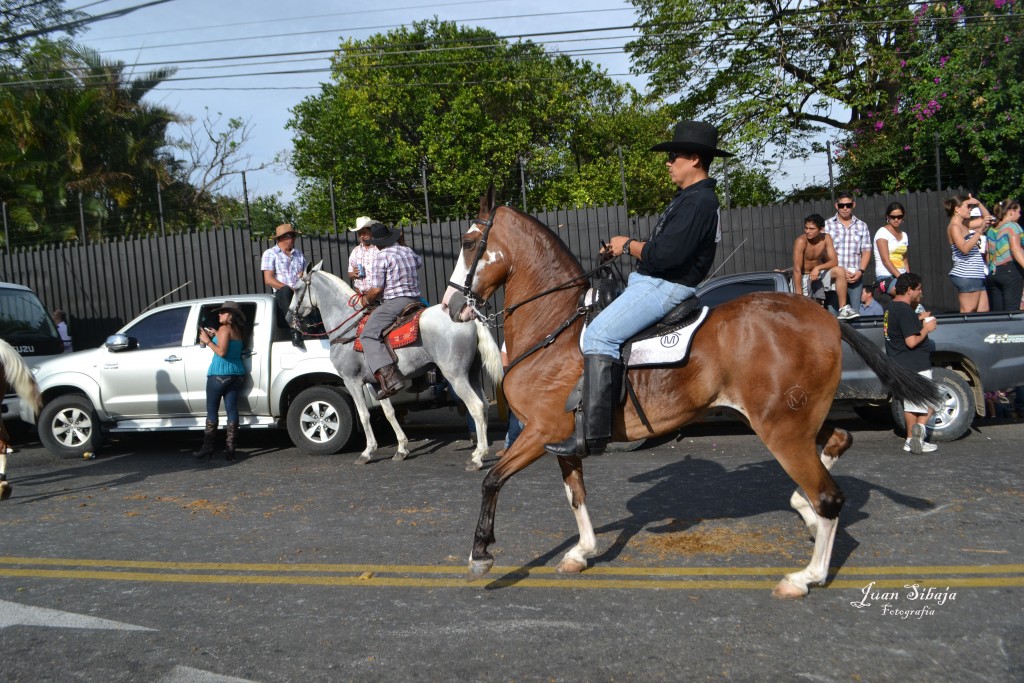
(362, 222)
(234, 309)
(693, 136)
(383, 236)
(283, 230)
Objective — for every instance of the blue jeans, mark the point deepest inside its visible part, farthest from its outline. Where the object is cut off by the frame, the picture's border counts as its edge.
(226, 386)
(514, 429)
(645, 301)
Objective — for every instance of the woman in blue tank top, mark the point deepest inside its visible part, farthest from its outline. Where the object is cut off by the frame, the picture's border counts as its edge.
(225, 377)
(968, 219)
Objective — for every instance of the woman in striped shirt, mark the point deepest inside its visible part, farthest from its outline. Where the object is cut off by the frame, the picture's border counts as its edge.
(1005, 258)
(966, 233)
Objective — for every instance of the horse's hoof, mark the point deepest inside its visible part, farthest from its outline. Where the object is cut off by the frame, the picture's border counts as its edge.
(788, 591)
(5, 490)
(399, 456)
(479, 568)
(362, 460)
(474, 466)
(568, 566)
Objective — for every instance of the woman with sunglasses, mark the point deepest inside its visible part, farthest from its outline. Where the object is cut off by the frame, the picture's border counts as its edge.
(966, 234)
(891, 243)
(1005, 258)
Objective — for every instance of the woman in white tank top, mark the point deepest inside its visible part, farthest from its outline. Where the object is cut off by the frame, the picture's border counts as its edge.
(968, 219)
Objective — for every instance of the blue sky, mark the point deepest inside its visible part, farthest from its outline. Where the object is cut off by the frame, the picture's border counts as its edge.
(181, 30)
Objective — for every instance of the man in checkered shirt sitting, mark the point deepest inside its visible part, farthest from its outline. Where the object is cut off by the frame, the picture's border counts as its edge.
(395, 284)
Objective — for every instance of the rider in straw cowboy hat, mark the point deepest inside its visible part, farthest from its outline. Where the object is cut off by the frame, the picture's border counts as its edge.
(395, 284)
(282, 266)
(361, 258)
(672, 261)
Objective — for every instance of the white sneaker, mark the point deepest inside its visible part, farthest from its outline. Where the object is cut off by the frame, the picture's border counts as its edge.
(847, 312)
(925, 447)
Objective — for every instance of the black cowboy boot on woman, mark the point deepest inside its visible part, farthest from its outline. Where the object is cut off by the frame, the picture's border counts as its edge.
(602, 386)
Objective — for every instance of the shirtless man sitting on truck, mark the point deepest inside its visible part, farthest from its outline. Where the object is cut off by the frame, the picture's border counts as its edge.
(814, 258)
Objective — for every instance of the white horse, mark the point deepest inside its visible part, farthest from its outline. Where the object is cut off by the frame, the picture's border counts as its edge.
(458, 350)
(14, 373)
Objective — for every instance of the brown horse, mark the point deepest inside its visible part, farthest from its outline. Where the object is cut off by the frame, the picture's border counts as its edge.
(14, 373)
(774, 358)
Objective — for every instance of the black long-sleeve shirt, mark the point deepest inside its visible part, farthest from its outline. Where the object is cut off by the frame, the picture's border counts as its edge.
(682, 246)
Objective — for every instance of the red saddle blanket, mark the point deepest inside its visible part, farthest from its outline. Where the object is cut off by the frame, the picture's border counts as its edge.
(403, 335)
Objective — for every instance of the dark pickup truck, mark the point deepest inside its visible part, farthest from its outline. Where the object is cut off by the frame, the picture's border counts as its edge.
(975, 353)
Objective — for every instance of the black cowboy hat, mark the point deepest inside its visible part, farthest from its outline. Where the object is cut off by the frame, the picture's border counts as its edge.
(383, 236)
(693, 136)
(232, 308)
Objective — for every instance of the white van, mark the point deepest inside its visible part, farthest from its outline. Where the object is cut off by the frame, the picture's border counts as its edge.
(26, 325)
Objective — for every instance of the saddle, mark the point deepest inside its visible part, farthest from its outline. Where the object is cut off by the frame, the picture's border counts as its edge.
(405, 331)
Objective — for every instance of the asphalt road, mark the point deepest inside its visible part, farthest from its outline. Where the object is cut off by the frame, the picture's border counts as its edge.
(141, 565)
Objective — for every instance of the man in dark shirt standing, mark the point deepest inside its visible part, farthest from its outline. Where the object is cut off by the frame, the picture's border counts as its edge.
(673, 262)
(907, 343)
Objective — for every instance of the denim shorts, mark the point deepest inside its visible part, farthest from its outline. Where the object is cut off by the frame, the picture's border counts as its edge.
(966, 285)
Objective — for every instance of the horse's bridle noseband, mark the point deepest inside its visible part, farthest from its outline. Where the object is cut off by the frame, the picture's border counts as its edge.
(466, 289)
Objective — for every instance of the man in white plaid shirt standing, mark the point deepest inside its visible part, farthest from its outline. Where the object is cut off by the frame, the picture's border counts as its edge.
(282, 266)
(852, 239)
(395, 283)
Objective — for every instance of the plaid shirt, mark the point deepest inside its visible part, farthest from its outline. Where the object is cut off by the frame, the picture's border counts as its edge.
(287, 269)
(850, 242)
(394, 269)
(365, 257)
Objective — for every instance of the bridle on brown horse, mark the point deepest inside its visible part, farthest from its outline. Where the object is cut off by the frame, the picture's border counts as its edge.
(466, 289)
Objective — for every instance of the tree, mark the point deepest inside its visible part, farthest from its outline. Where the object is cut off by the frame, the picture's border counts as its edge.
(770, 72)
(467, 108)
(18, 17)
(74, 128)
(962, 95)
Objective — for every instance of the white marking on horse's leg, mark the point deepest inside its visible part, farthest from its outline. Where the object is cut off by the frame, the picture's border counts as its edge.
(575, 560)
(477, 408)
(355, 390)
(795, 585)
(800, 504)
(403, 440)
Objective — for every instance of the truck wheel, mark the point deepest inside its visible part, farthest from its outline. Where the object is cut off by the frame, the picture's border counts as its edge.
(320, 421)
(955, 414)
(68, 426)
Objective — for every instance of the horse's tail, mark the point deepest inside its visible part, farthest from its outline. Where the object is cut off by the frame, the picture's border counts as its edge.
(490, 354)
(904, 384)
(20, 377)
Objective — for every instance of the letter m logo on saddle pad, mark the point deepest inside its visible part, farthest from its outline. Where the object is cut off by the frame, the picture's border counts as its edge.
(661, 345)
(405, 332)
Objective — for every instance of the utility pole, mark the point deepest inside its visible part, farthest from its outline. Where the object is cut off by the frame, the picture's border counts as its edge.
(7, 237)
(728, 197)
(160, 208)
(426, 197)
(622, 177)
(245, 195)
(334, 213)
(938, 166)
(81, 215)
(831, 178)
(522, 180)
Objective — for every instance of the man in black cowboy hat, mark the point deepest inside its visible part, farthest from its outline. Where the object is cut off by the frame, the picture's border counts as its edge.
(673, 261)
(282, 266)
(396, 284)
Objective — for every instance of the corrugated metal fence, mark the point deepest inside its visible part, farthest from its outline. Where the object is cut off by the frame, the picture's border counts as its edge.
(103, 286)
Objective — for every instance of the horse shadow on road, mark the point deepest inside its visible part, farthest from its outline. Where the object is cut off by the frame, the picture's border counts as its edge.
(694, 490)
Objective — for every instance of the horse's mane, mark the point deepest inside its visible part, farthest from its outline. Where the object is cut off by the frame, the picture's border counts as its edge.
(550, 242)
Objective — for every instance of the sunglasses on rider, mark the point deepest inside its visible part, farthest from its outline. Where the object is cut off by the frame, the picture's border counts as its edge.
(896, 216)
(845, 205)
(672, 156)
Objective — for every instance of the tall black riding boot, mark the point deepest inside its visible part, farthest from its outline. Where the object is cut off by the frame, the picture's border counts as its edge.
(206, 450)
(602, 385)
(229, 444)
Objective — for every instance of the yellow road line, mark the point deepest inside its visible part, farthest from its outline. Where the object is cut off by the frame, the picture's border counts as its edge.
(461, 569)
(654, 578)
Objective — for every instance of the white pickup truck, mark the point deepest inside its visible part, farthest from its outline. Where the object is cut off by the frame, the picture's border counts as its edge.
(151, 376)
